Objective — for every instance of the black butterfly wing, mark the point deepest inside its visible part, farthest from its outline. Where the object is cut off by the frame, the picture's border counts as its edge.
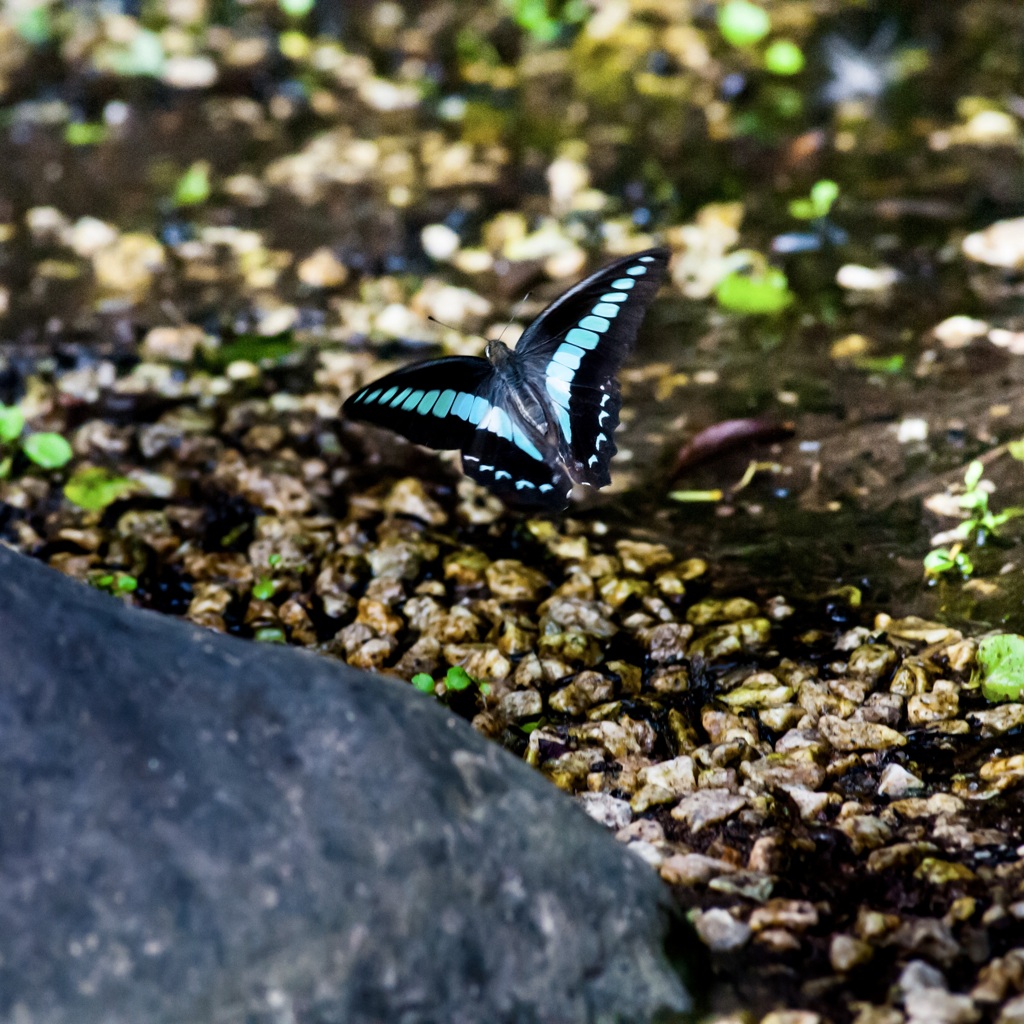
(437, 403)
(513, 463)
(574, 349)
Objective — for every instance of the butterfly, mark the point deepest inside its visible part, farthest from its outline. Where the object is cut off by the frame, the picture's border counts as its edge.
(533, 421)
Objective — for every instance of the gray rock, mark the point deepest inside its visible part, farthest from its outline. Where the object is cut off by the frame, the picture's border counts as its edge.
(198, 830)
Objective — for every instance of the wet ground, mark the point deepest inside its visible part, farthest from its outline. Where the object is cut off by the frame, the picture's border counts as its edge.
(216, 223)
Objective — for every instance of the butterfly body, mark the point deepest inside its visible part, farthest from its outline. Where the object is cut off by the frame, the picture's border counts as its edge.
(533, 421)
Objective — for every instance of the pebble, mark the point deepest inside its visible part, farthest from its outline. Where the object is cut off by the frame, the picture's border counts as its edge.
(847, 952)
(510, 580)
(694, 869)
(856, 278)
(409, 497)
(521, 704)
(189, 72)
(956, 332)
(322, 269)
(172, 344)
(129, 265)
(607, 810)
(707, 806)
(897, 782)
(1012, 1011)
(720, 931)
(1001, 244)
(440, 242)
(846, 735)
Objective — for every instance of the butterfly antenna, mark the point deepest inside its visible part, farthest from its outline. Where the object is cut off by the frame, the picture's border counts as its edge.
(515, 314)
(434, 319)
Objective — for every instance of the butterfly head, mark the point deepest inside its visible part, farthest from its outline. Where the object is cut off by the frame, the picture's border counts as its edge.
(498, 353)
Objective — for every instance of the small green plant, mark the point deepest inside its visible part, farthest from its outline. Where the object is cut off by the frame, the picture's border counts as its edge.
(743, 23)
(892, 365)
(981, 524)
(95, 488)
(251, 348)
(269, 635)
(823, 195)
(116, 582)
(296, 8)
(45, 449)
(536, 17)
(85, 133)
(12, 423)
(783, 57)
(761, 289)
(265, 586)
(423, 681)
(1001, 667)
(455, 680)
(193, 186)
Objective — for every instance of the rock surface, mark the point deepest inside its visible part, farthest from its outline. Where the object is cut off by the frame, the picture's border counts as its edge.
(198, 829)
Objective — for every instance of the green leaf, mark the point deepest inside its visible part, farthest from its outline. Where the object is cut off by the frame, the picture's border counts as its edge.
(764, 292)
(784, 57)
(423, 681)
(5, 467)
(823, 194)
(263, 589)
(252, 349)
(125, 583)
(193, 186)
(881, 364)
(938, 561)
(743, 23)
(1016, 450)
(269, 635)
(94, 489)
(973, 475)
(964, 564)
(50, 451)
(535, 17)
(296, 8)
(12, 422)
(457, 678)
(1001, 666)
(274, 560)
(84, 133)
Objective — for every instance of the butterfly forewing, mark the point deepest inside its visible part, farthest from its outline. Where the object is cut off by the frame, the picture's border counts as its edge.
(574, 349)
(438, 403)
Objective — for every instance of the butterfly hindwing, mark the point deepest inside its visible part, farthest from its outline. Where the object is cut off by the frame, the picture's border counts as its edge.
(438, 403)
(520, 470)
